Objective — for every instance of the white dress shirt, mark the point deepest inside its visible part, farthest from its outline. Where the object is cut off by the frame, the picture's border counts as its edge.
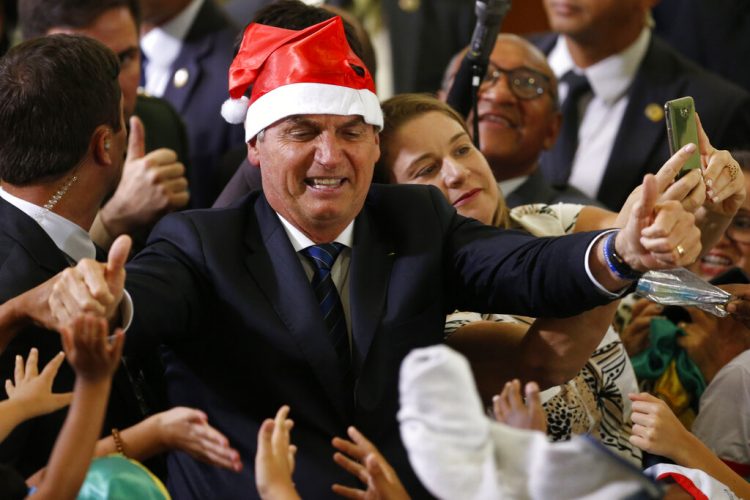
(162, 45)
(69, 237)
(603, 110)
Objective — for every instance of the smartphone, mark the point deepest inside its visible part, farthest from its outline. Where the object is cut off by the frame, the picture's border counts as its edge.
(682, 130)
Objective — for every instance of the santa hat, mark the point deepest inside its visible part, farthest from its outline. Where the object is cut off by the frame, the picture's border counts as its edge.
(298, 72)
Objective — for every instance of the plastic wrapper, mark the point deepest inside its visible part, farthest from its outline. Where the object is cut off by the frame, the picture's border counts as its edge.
(680, 287)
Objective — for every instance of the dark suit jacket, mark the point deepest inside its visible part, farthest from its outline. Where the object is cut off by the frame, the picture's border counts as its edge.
(29, 257)
(641, 144)
(713, 34)
(245, 179)
(206, 54)
(537, 190)
(164, 127)
(226, 292)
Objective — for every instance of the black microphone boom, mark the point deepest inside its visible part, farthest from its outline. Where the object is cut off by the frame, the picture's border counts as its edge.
(462, 95)
(490, 14)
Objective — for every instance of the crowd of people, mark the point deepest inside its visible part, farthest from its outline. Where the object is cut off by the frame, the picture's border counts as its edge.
(230, 267)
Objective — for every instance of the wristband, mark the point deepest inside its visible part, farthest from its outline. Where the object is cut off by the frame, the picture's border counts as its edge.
(617, 264)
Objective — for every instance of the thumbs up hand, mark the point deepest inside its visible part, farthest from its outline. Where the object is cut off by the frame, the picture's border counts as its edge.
(91, 287)
(152, 185)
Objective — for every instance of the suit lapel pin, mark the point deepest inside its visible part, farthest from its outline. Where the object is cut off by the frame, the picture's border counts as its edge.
(654, 112)
(181, 78)
(408, 5)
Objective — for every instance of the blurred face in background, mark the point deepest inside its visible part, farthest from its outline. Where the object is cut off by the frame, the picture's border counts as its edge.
(116, 29)
(733, 250)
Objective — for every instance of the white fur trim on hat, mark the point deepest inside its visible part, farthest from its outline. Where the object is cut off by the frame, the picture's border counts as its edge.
(235, 110)
(311, 99)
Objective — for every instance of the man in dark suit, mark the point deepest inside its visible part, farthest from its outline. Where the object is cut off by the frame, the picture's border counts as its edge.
(312, 292)
(519, 118)
(153, 178)
(64, 141)
(616, 132)
(187, 48)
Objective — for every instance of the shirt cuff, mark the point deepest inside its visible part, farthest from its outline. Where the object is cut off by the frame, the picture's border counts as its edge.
(126, 310)
(599, 286)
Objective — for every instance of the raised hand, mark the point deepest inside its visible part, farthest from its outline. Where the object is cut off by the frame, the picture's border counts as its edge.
(152, 185)
(725, 181)
(188, 430)
(274, 460)
(510, 409)
(89, 350)
(91, 287)
(659, 234)
(363, 460)
(635, 336)
(33, 390)
(655, 428)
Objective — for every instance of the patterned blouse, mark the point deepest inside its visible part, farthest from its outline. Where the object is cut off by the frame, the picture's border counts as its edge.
(594, 402)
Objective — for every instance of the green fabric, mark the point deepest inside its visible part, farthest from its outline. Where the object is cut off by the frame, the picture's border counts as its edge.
(115, 477)
(652, 362)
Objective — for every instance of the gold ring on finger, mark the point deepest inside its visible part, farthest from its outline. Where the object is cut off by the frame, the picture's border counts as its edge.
(680, 250)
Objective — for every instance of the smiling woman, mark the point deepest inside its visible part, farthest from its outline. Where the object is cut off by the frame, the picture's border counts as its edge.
(425, 142)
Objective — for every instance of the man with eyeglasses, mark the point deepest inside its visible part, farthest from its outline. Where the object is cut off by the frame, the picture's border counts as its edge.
(518, 119)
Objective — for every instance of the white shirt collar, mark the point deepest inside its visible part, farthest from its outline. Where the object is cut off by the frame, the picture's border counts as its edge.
(509, 185)
(162, 44)
(611, 77)
(300, 241)
(69, 237)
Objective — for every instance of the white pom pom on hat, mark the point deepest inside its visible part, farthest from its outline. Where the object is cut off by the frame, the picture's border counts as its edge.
(235, 110)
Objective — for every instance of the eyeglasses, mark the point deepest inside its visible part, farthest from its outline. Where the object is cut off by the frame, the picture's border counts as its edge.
(525, 83)
(739, 228)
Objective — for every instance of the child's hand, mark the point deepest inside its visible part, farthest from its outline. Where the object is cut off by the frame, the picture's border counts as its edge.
(510, 409)
(274, 460)
(363, 460)
(89, 350)
(33, 390)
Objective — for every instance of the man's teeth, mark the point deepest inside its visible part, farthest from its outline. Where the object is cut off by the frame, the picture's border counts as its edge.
(324, 182)
(498, 119)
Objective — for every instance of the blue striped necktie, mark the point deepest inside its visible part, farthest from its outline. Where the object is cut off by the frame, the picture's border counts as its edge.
(322, 257)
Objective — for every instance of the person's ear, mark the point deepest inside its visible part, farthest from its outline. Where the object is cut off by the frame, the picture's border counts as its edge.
(253, 156)
(102, 144)
(553, 130)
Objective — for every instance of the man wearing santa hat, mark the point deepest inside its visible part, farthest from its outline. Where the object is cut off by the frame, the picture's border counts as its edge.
(311, 292)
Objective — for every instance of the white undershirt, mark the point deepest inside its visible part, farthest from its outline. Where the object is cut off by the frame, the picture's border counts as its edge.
(603, 110)
(162, 45)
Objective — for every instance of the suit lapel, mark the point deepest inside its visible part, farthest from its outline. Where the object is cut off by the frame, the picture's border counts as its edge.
(197, 44)
(29, 235)
(533, 190)
(275, 267)
(639, 136)
(370, 270)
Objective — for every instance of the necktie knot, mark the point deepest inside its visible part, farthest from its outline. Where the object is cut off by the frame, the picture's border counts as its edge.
(323, 256)
(577, 86)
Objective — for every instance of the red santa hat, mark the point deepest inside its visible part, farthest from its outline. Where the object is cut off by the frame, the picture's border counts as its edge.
(310, 71)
